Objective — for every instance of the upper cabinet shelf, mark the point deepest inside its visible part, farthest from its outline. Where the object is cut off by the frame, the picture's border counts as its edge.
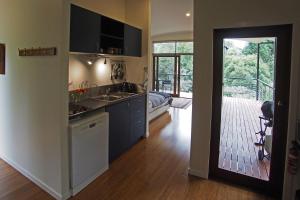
(112, 27)
(93, 33)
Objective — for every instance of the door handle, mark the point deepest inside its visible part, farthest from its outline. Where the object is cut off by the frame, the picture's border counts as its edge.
(280, 104)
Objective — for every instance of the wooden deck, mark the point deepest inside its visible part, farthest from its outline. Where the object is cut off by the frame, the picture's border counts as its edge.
(239, 124)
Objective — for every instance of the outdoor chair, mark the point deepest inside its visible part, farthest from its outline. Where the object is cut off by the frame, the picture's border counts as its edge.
(266, 121)
(165, 84)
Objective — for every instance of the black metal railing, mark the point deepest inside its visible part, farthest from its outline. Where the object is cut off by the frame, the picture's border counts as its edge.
(165, 81)
(248, 88)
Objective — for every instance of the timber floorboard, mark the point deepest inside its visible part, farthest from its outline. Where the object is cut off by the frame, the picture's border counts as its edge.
(240, 122)
(155, 168)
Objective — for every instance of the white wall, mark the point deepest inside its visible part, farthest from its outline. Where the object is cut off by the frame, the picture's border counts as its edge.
(33, 103)
(168, 16)
(112, 8)
(234, 13)
(173, 36)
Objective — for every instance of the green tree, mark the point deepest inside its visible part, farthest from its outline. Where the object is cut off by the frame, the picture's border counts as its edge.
(266, 54)
(240, 67)
(166, 64)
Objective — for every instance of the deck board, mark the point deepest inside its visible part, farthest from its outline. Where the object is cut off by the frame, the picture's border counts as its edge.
(239, 124)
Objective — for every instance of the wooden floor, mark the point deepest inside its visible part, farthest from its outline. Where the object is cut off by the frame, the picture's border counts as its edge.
(154, 169)
(239, 124)
(14, 185)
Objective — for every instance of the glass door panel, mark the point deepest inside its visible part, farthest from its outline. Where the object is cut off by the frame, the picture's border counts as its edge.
(186, 76)
(246, 130)
(165, 73)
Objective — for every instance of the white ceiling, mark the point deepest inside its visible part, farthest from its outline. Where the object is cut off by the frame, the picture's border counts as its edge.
(168, 16)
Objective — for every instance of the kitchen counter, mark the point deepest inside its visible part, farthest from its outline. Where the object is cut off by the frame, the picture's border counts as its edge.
(92, 104)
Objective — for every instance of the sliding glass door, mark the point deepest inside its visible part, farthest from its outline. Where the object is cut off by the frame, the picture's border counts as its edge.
(166, 74)
(173, 68)
(186, 76)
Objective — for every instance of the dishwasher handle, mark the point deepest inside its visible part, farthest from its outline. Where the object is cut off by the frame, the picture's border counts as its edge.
(92, 125)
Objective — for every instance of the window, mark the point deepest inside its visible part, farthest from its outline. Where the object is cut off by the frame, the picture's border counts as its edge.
(173, 68)
(165, 47)
(173, 47)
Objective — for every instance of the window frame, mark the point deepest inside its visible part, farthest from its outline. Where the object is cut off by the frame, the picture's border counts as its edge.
(171, 41)
(177, 59)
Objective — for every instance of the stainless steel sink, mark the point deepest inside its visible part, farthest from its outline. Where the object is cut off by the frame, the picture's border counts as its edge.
(106, 98)
(112, 96)
(122, 94)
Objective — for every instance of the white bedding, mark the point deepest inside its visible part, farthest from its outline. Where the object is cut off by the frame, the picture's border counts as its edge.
(151, 108)
(157, 100)
(158, 104)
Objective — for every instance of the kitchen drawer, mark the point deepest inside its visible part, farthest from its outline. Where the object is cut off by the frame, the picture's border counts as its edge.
(138, 122)
(138, 102)
(137, 132)
(138, 113)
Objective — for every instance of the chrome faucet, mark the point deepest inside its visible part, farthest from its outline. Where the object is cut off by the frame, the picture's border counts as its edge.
(107, 91)
(92, 90)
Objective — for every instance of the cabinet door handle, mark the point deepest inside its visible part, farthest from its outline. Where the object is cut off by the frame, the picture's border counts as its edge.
(92, 125)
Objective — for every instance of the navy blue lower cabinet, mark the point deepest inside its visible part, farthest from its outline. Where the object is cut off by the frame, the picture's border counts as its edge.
(137, 118)
(127, 125)
(119, 134)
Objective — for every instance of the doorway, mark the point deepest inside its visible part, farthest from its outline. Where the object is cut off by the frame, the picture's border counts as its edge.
(166, 73)
(173, 68)
(250, 105)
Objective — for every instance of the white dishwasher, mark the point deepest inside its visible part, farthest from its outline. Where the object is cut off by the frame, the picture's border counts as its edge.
(89, 150)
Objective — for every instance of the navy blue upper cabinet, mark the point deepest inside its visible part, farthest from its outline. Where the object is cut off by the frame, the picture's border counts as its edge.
(112, 36)
(85, 30)
(93, 33)
(132, 41)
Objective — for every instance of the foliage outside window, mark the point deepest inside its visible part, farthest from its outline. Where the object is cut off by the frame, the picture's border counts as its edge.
(183, 49)
(173, 47)
(240, 70)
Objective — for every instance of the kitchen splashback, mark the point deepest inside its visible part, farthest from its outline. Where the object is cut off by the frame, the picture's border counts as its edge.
(95, 72)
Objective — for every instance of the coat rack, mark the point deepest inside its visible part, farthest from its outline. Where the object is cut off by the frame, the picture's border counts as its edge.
(38, 51)
(2, 58)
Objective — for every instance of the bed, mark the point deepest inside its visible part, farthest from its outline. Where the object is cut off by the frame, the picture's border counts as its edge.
(158, 104)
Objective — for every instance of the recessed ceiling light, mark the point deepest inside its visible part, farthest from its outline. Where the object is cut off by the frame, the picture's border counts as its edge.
(89, 62)
(188, 14)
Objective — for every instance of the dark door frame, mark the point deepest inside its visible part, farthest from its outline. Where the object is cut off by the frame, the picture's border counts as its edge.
(176, 77)
(177, 70)
(283, 34)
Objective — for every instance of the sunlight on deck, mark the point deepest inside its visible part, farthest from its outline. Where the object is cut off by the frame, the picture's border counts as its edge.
(239, 124)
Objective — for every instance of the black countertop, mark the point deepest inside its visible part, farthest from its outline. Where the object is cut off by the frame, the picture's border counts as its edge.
(94, 105)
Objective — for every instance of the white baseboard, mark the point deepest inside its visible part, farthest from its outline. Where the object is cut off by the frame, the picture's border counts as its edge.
(80, 187)
(198, 173)
(147, 134)
(34, 179)
(66, 195)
